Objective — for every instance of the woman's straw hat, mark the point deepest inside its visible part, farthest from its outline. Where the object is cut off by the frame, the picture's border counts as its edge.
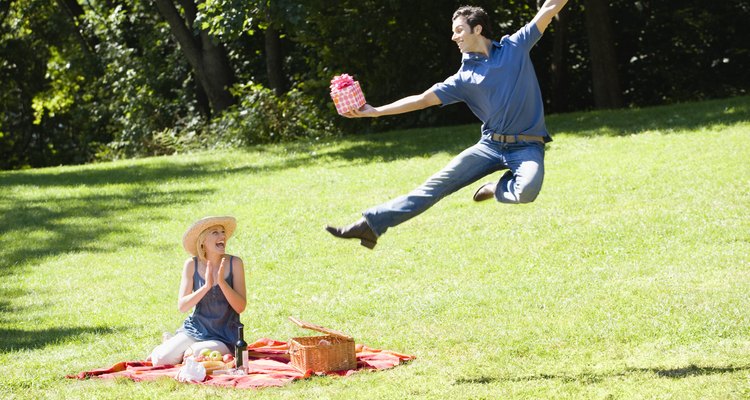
(189, 240)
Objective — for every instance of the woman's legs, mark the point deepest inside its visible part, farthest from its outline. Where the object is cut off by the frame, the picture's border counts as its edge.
(172, 350)
(211, 345)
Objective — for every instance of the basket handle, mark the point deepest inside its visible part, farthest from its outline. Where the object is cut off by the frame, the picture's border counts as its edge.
(307, 325)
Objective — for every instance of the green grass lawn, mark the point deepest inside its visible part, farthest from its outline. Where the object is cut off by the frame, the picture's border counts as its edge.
(629, 277)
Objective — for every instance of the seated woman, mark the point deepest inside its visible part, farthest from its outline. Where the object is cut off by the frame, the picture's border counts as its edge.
(214, 283)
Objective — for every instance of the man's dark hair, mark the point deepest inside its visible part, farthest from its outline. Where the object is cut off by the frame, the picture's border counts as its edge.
(475, 16)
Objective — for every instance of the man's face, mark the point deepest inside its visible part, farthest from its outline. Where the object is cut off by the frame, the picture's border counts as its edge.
(466, 40)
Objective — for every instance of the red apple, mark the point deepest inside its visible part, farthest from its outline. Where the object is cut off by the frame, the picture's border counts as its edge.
(228, 358)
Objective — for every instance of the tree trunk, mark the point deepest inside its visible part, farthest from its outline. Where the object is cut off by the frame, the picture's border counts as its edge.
(201, 99)
(559, 65)
(74, 11)
(274, 67)
(204, 54)
(606, 82)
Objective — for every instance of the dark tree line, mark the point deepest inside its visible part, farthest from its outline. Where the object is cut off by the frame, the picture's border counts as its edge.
(81, 80)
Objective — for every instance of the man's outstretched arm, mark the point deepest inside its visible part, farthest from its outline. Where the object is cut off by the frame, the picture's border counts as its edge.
(549, 9)
(407, 104)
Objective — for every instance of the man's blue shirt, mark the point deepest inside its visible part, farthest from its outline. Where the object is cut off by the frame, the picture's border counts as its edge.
(501, 90)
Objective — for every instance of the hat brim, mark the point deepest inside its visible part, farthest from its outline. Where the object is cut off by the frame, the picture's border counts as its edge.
(190, 237)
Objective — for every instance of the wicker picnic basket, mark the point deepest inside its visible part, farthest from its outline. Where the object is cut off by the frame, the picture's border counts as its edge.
(320, 354)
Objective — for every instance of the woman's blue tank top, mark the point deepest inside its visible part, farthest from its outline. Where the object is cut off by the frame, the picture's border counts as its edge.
(213, 318)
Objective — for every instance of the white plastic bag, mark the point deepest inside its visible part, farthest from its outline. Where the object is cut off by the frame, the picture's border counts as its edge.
(191, 371)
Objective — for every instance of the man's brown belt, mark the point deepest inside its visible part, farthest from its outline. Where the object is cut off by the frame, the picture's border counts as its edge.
(516, 138)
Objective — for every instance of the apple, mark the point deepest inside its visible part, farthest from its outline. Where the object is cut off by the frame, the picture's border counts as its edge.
(205, 352)
(215, 356)
(228, 358)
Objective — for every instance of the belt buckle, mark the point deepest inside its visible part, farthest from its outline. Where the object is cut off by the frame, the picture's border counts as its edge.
(502, 138)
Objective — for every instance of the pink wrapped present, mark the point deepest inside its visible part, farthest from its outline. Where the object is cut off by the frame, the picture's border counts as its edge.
(346, 93)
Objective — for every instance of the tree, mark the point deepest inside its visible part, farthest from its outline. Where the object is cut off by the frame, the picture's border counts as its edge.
(558, 66)
(205, 54)
(83, 80)
(238, 20)
(604, 74)
(43, 73)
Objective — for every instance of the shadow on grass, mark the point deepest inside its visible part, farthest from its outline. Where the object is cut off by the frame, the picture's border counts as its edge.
(692, 370)
(666, 119)
(23, 339)
(66, 222)
(33, 230)
(581, 378)
(589, 378)
(399, 145)
(113, 174)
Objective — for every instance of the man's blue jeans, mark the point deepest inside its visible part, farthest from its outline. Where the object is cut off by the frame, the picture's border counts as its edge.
(520, 184)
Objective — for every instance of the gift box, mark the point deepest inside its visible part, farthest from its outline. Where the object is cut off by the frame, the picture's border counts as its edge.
(346, 93)
(320, 354)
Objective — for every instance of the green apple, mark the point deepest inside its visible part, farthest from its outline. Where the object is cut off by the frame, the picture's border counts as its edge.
(205, 352)
(215, 356)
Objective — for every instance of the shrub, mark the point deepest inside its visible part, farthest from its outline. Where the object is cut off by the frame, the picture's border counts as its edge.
(260, 116)
(263, 117)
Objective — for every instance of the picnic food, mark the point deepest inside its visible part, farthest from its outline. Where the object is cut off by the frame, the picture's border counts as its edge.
(205, 355)
(212, 366)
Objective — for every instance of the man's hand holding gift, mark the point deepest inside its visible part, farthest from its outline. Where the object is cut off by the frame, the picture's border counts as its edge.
(364, 111)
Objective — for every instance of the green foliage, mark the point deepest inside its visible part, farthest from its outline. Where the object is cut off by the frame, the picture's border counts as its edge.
(696, 51)
(260, 117)
(666, 52)
(145, 86)
(263, 117)
(227, 19)
(108, 80)
(45, 76)
(63, 86)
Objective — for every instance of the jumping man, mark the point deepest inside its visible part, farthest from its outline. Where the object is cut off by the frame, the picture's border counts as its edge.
(498, 83)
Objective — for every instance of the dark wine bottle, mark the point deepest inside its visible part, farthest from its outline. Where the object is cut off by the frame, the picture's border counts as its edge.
(240, 347)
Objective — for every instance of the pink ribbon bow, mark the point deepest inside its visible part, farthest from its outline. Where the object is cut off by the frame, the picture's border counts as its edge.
(341, 81)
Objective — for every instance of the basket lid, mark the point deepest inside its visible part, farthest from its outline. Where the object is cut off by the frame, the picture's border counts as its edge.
(319, 328)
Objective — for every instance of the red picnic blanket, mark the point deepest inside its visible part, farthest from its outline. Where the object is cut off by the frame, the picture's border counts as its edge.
(269, 365)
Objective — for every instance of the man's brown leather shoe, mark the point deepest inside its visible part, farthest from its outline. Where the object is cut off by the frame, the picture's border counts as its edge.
(485, 192)
(358, 230)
